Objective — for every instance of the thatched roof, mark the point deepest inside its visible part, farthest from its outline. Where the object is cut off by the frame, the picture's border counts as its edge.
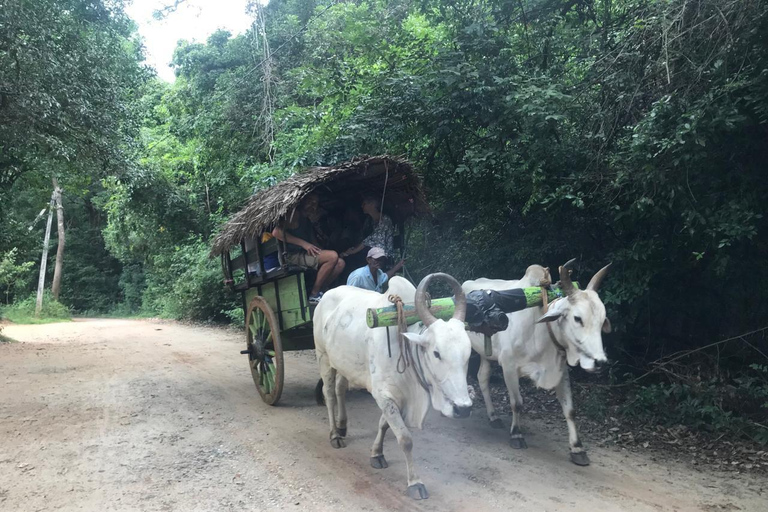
(337, 185)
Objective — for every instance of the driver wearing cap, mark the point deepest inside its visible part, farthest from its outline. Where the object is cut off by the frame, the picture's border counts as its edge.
(371, 277)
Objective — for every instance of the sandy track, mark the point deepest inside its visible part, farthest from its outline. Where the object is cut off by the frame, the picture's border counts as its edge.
(141, 415)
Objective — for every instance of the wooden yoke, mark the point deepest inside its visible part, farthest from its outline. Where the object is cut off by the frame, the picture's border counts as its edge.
(442, 308)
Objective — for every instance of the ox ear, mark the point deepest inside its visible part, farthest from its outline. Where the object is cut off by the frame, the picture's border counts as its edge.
(551, 316)
(607, 326)
(555, 311)
(418, 339)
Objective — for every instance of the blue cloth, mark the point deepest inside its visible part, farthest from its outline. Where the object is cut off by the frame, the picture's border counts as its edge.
(362, 278)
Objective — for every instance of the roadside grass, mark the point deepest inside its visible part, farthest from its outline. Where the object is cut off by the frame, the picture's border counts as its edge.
(23, 312)
(27, 319)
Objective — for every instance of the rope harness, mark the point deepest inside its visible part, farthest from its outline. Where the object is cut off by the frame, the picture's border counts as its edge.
(546, 305)
(405, 360)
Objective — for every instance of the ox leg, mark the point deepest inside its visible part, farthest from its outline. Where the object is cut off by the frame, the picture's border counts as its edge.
(416, 489)
(377, 452)
(512, 379)
(563, 390)
(484, 379)
(341, 396)
(329, 390)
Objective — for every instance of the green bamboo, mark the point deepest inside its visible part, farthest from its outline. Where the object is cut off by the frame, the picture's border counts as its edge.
(443, 308)
(533, 295)
(381, 317)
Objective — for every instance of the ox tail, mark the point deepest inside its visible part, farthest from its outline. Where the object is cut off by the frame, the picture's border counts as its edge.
(319, 397)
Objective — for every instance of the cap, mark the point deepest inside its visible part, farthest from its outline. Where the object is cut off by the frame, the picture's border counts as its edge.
(376, 253)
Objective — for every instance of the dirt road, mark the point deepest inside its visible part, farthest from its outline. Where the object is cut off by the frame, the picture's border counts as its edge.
(140, 415)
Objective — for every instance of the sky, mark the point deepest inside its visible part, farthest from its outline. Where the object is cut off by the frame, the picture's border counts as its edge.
(193, 20)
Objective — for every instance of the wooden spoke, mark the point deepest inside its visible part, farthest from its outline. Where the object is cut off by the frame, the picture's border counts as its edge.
(265, 350)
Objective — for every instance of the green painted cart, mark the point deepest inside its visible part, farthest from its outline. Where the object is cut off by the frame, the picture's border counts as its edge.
(278, 317)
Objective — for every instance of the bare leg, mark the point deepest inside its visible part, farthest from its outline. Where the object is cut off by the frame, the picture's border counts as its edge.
(512, 379)
(483, 378)
(327, 264)
(563, 391)
(337, 270)
(341, 395)
(377, 451)
(416, 489)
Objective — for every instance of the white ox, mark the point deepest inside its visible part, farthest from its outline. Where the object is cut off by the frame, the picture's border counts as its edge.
(538, 347)
(352, 355)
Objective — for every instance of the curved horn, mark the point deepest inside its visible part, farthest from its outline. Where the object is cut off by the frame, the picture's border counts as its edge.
(420, 300)
(594, 283)
(459, 299)
(565, 278)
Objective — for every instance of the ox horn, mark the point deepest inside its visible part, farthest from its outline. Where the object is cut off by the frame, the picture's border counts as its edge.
(420, 300)
(594, 283)
(565, 277)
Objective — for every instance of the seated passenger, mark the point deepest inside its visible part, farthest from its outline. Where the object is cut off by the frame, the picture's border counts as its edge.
(379, 232)
(341, 228)
(299, 237)
(371, 277)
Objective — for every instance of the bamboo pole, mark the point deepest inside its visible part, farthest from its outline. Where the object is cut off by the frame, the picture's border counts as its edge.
(443, 308)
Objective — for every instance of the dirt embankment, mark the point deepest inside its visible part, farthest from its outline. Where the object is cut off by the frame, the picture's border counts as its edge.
(141, 415)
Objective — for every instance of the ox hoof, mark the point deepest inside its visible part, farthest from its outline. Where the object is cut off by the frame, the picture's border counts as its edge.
(497, 423)
(417, 492)
(580, 458)
(338, 442)
(342, 431)
(379, 462)
(518, 443)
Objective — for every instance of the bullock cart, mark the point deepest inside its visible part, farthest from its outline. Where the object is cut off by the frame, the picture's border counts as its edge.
(278, 316)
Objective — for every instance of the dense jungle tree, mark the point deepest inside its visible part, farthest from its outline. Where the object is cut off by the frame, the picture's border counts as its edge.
(70, 76)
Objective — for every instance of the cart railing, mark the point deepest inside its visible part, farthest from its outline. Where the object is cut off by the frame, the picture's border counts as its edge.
(247, 268)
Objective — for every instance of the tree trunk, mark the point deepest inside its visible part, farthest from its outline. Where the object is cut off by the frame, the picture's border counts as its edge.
(44, 259)
(56, 287)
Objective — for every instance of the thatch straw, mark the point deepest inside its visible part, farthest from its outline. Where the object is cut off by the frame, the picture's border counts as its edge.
(341, 183)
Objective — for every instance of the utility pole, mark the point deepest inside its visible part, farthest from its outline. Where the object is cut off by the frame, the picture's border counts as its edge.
(44, 260)
(56, 286)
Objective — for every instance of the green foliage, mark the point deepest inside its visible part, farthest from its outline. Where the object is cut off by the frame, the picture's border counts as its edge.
(70, 77)
(738, 406)
(23, 312)
(11, 273)
(90, 273)
(236, 316)
(184, 283)
(132, 285)
(68, 69)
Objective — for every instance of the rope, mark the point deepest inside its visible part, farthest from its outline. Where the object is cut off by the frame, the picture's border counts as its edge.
(545, 304)
(405, 360)
(405, 354)
(384, 192)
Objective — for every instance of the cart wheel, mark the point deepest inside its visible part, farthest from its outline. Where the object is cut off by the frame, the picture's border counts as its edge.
(265, 351)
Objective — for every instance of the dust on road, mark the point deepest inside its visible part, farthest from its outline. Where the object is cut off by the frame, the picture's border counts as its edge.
(157, 416)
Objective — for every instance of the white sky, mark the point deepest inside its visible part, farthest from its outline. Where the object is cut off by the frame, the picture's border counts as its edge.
(194, 20)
